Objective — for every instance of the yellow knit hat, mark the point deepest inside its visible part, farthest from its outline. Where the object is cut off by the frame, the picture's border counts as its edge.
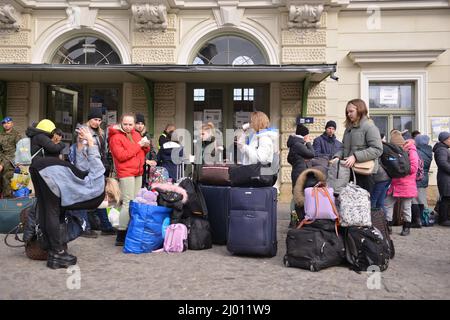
(46, 125)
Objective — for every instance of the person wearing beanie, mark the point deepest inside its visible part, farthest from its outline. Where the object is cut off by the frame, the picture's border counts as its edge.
(442, 158)
(95, 113)
(426, 155)
(151, 156)
(403, 190)
(41, 142)
(300, 151)
(326, 145)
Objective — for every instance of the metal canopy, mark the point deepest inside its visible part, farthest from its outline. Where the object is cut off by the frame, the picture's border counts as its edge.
(66, 73)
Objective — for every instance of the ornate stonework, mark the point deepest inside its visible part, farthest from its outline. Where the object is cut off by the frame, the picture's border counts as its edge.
(164, 108)
(286, 174)
(160, 124)
(318, 125)
(9, 18)
(153, 55)
(153, 38)
(290, 107)
(317, 107)
(288, 124)
(165, 91)
(291, 91)
(138, 91)
(304, 37)
(305, 16)
(14, 55)
(138, 106)
(318, 90)
(21, 38)
(284, 139)
(149, 16)
(302, 55)
(284, 154)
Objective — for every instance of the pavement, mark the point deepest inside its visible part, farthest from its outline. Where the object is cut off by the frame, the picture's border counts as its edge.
(420, 270)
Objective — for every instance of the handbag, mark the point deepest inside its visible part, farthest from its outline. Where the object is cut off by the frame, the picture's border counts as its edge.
(215, 174)
(320, 203)
(364, 168)
(252, 176)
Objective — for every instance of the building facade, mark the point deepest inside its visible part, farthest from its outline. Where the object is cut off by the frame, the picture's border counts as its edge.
(217, 60)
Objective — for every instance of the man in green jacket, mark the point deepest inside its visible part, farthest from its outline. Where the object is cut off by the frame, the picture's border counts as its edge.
(8, 141)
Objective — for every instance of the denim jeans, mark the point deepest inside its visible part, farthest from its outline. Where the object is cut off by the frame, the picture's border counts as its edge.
(379, 195)
(105, 225)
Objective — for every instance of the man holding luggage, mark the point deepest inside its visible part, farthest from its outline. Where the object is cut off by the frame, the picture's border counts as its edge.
(8, 140)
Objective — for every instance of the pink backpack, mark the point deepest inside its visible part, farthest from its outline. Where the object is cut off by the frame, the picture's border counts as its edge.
(175, 239)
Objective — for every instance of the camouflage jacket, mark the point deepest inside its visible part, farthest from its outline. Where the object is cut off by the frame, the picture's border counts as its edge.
(8, 143)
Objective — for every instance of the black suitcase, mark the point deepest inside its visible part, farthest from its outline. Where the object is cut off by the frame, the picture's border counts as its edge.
(252, 225)
(217, 200)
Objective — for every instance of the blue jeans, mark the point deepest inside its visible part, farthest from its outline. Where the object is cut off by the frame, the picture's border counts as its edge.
(379, 195)
(105, 225)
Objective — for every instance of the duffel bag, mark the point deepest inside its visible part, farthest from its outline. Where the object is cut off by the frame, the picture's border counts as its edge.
(215, 174)
(253, 175)
(314, 247)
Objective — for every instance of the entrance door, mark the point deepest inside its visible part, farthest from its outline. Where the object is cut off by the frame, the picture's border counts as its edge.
(62, 108)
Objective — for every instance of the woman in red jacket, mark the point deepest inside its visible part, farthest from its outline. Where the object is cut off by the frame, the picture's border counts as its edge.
(128, 153)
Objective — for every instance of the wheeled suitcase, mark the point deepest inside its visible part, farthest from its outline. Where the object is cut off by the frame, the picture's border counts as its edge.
(252, 224)
(217, 200)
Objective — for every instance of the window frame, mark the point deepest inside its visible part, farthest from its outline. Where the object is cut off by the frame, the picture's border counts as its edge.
(419, 78)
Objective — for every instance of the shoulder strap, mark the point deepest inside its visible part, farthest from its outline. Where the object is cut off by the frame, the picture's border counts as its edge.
(350, 248)
(35, 154)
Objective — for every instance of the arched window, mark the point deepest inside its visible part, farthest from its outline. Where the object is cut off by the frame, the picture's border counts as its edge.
(227, 50)
(86, 50)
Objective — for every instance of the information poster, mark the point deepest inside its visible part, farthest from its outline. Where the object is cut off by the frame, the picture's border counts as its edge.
(241, 117)
(439, 125)
(111, 117)
(389, 95)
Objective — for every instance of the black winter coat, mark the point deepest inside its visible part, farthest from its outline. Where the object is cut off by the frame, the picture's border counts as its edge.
(442, 158)
(298, 153)
(42, 139)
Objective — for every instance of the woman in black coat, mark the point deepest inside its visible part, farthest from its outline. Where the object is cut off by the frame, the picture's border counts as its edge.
(42, 144)
(442, 157)
(300, 151)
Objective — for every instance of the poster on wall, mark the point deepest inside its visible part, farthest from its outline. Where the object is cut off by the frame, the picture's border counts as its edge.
(438, 125)
(111, 117)
(214, 116)
(389, 95)
(241, 117)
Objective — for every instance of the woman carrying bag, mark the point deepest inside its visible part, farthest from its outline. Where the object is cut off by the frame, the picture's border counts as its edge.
(361, 142)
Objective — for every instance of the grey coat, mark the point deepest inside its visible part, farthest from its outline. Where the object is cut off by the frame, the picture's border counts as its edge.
(442, 158)
(363, 141)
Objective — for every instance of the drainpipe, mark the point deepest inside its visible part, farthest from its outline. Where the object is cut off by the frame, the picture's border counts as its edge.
(306, 84)
(3, 92)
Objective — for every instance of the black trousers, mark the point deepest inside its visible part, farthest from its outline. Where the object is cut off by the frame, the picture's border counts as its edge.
(444, 209)
(365, 182)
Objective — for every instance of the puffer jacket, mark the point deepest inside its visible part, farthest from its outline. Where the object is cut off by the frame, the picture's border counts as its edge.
(405, 187)
(362, 140)
(442, 158)
(42, 139)
(261, 148)
(299, 151)
(426, 154)
(129, 156)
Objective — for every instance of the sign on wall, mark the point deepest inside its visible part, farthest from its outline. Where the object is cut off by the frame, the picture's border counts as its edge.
(438, 125)
(389, 95)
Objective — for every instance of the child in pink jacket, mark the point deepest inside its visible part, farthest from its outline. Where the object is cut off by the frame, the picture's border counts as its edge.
(403, 189)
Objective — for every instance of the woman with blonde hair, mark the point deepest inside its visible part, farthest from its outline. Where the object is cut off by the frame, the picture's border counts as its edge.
(361, 142)
(128, 152)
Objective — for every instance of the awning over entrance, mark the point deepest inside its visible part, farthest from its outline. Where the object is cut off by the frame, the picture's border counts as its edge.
(48, 73)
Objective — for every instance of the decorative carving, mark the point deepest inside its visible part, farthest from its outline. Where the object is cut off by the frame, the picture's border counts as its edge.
(305, 16)
(17, 90)
(290, 108)
(14, 55)
(154, 38)
(138, 91)
(288, 124)
(286, 174)
(304, 37)
(153, 55)
(164, 108)
(228, 16)
(291, 91)
(138, 106)
(317, 107)
(9, 18)
(150, 16)
(20, 38)
(78, 17)
(302, 55)
(165, 91)
(284, 154)
(284, 139)
(318, 90)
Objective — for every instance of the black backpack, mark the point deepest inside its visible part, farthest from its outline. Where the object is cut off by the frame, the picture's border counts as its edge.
(314, 247)
(365, 247)
(195, 204)
(199, 233)
(395, 161)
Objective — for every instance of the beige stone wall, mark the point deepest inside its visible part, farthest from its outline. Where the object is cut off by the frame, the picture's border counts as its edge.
(17, 104)
(15, 46)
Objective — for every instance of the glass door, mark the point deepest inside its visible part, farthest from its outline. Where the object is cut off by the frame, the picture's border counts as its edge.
(62, 108)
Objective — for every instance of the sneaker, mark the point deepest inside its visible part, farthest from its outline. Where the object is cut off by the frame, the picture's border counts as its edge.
(89, 234)
(111, 232)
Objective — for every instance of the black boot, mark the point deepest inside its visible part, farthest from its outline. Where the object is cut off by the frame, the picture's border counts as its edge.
(61, 259)
(120, 239)
(405, 229)
(415, 220)
(389, 226)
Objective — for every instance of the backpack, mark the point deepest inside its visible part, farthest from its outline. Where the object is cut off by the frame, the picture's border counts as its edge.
(395, 161)
(176, 238)
(199, 233)
(23, 152)
(195, 204)
(354, 206)
(420, 171)
(366, 247)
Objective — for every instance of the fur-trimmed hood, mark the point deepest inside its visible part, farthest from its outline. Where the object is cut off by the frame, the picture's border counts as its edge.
(299, 192)
(171, 187)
